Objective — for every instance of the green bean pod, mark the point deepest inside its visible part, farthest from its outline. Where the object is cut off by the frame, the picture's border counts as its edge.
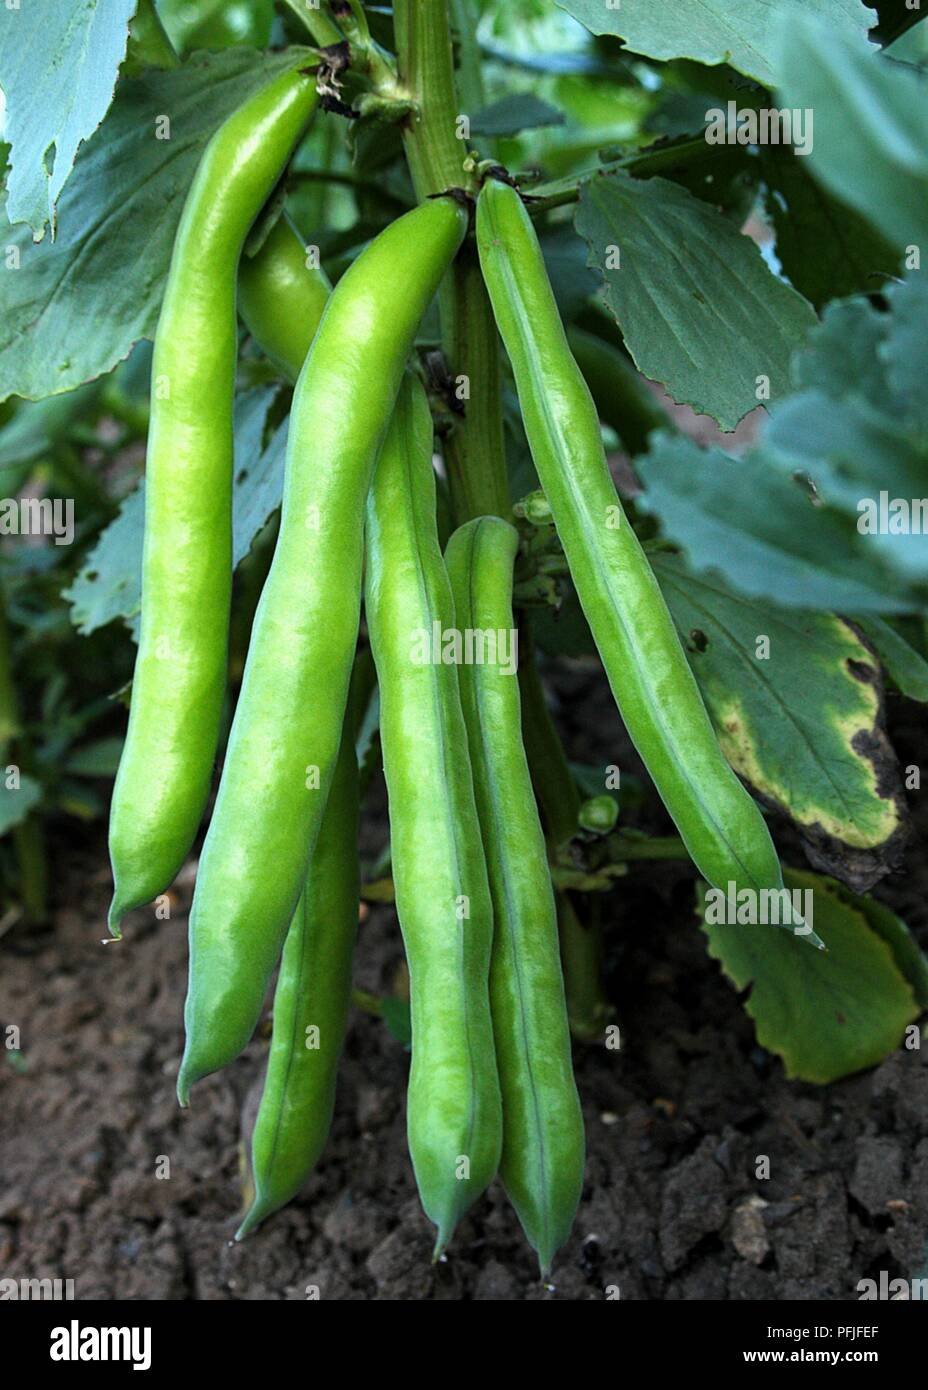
(651, 680)
(543, 1142)
(311, 1003)
(180, 671)
(439, 872)
(287, 727)
(281, 298)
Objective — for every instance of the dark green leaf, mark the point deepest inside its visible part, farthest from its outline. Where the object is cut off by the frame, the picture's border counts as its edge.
(871, 128)
(715, 31)
(515, 113)
(700, 309)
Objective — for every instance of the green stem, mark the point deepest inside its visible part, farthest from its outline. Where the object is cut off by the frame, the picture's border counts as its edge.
(426, 69)
(475, 451)
(645, 162)
(588, 1010)
(32, 862)
(367, 1003)
(465, 16)
(555, 788)
(322, 29)
(559, 804)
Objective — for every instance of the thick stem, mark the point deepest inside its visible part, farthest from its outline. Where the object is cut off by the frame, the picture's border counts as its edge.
(464, 14)
(475, 451)
(426, 70)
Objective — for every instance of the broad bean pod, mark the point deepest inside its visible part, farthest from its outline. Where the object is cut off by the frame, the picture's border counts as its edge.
(281, 298)
(543, 1143)
(180, 671)
(439, 871)
(651, 680)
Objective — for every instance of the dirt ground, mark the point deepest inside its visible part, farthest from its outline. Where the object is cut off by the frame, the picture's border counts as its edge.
(104, 1181)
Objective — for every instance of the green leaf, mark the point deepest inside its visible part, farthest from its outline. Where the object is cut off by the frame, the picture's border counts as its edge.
(515, 113)
(905, 351)
(98, 759)
(827, 250)
(109, 586)
(826, 1013)
(395, 1014)
(906, 667)
(700, 310)
(871, 127)
(747, 521)
(36, 428)
(716, 31)
(908, 955)
(853, 429)
(58, 69)
(73, 308)
(795, 699)
(15, 805)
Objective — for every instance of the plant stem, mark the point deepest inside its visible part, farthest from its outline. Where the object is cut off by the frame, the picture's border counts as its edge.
(426, 69)
(366, 1002)
(588, 1010)
(559, 804)
(323, 30)
(555, 788)
(651, 161)
(465, 15)
(32, 862)
(475, 450)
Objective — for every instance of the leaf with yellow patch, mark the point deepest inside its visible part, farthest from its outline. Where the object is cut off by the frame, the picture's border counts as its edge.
(796, 701)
